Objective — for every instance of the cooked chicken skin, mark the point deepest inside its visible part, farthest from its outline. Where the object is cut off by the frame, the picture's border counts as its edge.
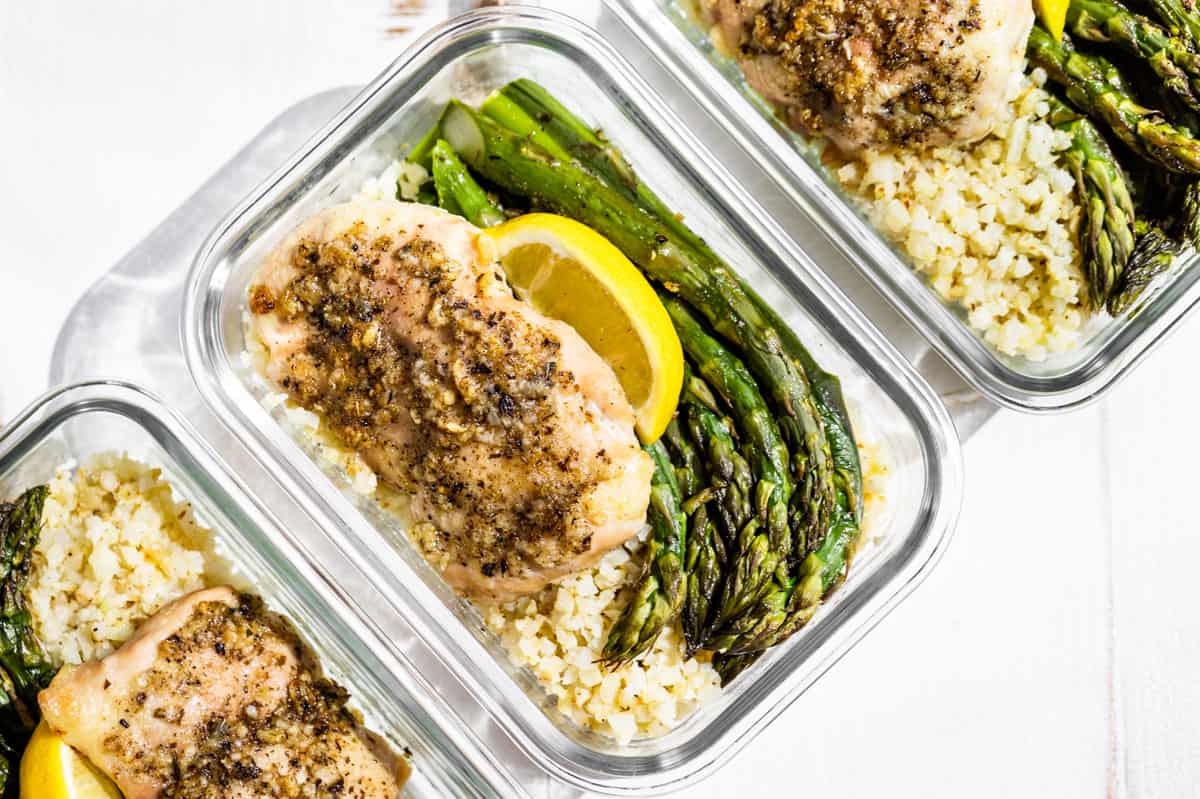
(216, 697)
(889, 72)
(394, 323)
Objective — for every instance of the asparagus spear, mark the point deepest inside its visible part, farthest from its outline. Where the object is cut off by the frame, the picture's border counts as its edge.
(1170, 57)
(729, 473)
(1181, 17)
(501, 107)
(21, 654)
(726, 375)
(749, 618)
(730, 666)
(571, 137)
(1106, 232)
(706, 554)
(791, 604)
(821, 572)
(697, 391)
(1094, 85)
(661, 590)
(458, 192)
(517, 165)
(24, 668)
(443, 183)
(830, 404)
(761, 541)
(689, 468)
(700, 566)
(1154, 253)
(752, 560)
(422, 151)
(703, 579)
(1187, 229)
(1158, 245)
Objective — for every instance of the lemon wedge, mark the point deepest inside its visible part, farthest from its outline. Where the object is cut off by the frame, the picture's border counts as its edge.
(1053, 14)
(570, 272)
(50, 769)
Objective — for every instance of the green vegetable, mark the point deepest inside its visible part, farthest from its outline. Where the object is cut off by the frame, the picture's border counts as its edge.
(689, 467)
(562, 134)
(1187, 229)
(732, 503)
(1096, 86)
(728, 377)
(660, 592)
(458, 192)
(791, 604)
(517, 165)
(750, 619)
(1170, 57)
(782, 613)
(1154, 253)
(422, 152)
(1107, 230)
(704, 569)
(509, 114)
(24, 668)
(1181, 17)
(830, 404)
(730, 666)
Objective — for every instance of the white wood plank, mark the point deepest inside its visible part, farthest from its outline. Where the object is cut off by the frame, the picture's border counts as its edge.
(1152, 438)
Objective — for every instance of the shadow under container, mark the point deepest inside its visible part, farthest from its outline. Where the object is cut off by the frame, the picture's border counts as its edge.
(468, 58)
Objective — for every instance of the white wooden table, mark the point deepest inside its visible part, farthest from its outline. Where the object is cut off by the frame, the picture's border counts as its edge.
(1053, 652)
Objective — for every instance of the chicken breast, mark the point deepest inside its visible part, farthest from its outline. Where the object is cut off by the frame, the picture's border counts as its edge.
(216, 697)
(890, 72)
(394, 323)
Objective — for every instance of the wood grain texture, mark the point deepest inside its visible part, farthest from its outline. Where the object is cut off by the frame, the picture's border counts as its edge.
(1152, 437)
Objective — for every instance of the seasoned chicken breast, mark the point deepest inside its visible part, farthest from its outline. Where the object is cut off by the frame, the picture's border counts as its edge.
(394, 323)
(878, 73)
(215, 698)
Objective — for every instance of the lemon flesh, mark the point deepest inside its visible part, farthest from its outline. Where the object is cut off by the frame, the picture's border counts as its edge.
(50, 769)
(569, 272)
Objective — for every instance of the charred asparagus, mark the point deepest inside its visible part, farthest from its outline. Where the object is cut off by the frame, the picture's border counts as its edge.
(661, 590)
(1094, 85)
(1170, 57)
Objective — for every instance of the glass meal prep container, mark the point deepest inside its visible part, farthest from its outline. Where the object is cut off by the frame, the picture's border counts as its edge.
(1108, 349)
(86, 418)
(468, 58)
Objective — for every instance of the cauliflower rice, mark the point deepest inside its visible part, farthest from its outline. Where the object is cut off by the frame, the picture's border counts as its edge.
(115, 547)
(993, 225)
